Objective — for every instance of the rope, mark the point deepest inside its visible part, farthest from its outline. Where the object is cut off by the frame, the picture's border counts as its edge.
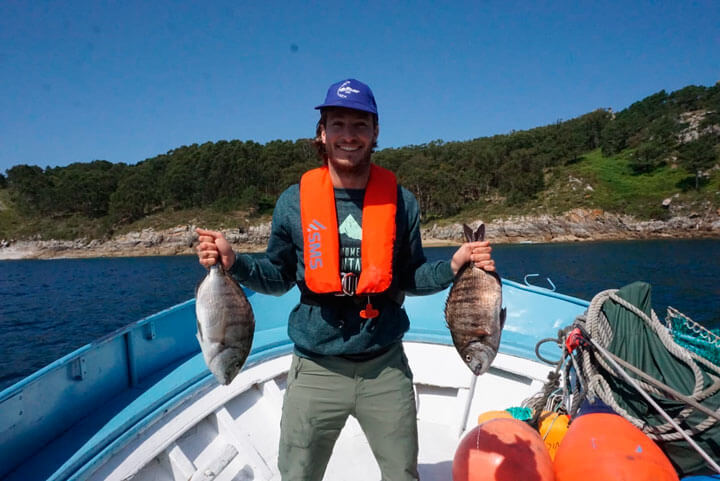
(600, 333)
(541, 401)
(550, 398)
(580, 391)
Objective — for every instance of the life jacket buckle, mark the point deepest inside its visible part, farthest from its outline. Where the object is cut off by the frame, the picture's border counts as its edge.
(349, 283)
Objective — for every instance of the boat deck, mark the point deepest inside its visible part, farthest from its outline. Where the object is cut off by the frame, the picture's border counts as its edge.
(231, 432)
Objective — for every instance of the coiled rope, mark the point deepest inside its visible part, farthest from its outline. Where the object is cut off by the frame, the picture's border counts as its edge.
(596, 335)
(599, 330)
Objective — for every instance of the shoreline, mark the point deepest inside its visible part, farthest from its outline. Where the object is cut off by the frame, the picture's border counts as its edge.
(578, 225)
(34, 253)
(29, 250)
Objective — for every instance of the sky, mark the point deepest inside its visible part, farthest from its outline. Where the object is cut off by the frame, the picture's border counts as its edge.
(126, 81)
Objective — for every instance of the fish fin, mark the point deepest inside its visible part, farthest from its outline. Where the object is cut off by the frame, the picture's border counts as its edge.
(480, 233)
(197, 286)
(468, 233)
(199, 331)
(503, 316)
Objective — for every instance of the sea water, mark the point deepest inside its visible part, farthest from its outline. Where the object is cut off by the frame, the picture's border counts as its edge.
(48, 308)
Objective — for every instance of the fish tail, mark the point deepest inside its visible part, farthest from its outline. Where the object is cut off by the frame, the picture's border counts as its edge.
(480, 233)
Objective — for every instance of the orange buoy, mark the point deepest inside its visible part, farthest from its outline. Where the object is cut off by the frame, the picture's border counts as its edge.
(502, 449)
(488, 415)
(553, 427)
(613, 448)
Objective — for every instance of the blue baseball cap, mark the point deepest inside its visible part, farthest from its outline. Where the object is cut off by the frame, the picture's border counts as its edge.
(351, 94)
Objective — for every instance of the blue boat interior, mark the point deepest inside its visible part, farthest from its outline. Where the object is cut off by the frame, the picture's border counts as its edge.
(71, 415)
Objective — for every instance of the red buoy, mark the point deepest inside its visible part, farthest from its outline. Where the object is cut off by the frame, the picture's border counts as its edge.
(502, 450)
(602, 446)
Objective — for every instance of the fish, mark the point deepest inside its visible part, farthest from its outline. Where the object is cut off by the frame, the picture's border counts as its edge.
(225, 324)
(474, 312)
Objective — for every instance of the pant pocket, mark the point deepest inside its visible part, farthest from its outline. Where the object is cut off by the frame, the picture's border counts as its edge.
(292, 375)
(295, 429)
(404, 365)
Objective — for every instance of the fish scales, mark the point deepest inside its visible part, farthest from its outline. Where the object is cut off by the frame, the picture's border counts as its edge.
(225, 324)
(474, 312)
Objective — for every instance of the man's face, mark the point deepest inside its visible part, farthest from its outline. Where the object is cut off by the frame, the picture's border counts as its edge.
(349, 136)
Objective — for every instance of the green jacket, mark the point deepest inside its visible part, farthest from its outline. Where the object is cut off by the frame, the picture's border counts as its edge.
(331, 325)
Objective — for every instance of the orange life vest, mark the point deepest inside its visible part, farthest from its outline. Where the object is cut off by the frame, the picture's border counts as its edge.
(322, 241)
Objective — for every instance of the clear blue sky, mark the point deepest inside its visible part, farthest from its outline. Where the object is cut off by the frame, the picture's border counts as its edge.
(125, 81)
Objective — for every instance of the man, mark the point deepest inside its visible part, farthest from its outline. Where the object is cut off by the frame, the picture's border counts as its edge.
(349, 237)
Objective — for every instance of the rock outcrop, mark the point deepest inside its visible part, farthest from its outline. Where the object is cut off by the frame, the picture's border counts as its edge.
(584, 225)
(574, 225)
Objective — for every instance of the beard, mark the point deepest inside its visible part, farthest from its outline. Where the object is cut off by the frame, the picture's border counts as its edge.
(349, 166)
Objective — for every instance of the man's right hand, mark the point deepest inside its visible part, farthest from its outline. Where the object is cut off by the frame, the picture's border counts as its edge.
(212, 246)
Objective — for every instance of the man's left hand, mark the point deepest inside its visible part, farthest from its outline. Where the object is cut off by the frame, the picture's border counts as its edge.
(476, 252)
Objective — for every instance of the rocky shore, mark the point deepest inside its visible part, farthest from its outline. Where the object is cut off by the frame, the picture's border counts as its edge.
(575, 225)
(586, 225)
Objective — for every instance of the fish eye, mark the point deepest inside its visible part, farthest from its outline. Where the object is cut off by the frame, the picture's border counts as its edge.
(468, 357)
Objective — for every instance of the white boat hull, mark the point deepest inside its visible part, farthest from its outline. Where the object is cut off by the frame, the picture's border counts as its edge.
(232, 432)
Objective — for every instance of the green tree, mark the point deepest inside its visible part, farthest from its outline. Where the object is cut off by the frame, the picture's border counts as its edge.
(647, 157)
(180, 182)
(417, 176)
(520, 177)
(30, 189)
(698, 155)
(138, 193)
(691, 97)
(614, 136)
(84, 188)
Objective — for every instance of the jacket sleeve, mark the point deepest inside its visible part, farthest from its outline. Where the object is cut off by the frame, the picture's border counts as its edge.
(271, 272)
(417, 275)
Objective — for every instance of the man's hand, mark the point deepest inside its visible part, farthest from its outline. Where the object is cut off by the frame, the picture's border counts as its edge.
(212, 246)
(476, 252)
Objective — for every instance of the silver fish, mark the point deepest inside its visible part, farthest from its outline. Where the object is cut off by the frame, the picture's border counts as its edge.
(225, 324)
(474, 312)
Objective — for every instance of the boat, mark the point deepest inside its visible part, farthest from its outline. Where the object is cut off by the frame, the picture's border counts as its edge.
(141, 404)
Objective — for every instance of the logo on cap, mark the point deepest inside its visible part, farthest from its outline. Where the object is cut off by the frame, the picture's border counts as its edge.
(344, 90)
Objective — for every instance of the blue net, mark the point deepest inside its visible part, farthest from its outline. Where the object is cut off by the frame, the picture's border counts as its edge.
(694, 337)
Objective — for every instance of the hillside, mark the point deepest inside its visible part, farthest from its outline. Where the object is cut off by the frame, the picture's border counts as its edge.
(655, 162)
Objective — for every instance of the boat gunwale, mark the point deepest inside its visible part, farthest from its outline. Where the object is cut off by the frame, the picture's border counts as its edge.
(13, 389)
(95, 344)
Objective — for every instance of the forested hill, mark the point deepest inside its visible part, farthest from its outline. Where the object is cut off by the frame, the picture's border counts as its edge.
(665, 147)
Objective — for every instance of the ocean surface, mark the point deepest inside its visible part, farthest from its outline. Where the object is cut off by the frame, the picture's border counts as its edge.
(49, 308)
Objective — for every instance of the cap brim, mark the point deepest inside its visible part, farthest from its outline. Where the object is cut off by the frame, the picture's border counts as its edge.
(348, 105)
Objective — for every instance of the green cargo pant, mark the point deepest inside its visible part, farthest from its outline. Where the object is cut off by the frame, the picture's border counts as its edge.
(322, 393)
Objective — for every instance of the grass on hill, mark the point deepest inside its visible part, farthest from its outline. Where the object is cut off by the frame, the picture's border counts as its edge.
(205, 218)
(10, 221)
(607, 183)
(614, 187)
(617, 189)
